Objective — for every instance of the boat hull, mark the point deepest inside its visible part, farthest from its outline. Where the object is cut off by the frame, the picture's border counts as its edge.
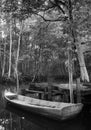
(61, 113)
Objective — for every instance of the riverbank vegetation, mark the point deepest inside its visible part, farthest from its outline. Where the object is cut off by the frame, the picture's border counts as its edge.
(35, 38)
(45, 41)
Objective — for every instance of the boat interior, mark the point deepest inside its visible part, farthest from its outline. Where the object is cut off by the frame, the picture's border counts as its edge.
(32, 101)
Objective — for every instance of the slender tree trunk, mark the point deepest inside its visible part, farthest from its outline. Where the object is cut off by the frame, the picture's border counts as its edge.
(70, 69)
(22, 67)
(34, 76)
(2, 38)
(9, 72)
(34, 69)
(27, 66)
(39, 64)
(4, 60)
(70, 56)
(17, 58)
(78, 91)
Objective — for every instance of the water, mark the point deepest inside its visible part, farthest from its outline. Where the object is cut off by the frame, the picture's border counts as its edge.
(17, 119)
(12, 118)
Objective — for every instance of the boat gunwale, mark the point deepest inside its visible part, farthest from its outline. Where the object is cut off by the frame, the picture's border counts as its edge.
(40, 106)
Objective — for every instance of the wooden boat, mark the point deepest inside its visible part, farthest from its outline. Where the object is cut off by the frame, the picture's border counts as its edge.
(85, 89)
(56, 110)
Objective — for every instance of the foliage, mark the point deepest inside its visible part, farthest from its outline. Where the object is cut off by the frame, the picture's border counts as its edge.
(46, 33)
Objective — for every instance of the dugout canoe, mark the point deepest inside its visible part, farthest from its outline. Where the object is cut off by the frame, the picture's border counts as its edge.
(56, 110)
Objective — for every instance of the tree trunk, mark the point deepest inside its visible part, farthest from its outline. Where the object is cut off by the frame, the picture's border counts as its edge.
(83, 70)
(9, 72)
(78, 91)
(34, 69)
(17, 58)
(70, 65)
(3, 69)
(1, 22)
(70, 69)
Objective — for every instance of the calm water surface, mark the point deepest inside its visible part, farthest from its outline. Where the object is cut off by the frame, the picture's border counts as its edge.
(12, 118)
(15, 119)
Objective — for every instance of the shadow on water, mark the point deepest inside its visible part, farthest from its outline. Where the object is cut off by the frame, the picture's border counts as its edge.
(81, 122)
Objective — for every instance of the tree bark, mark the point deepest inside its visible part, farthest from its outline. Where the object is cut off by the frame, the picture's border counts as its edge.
(78, 91)
(4, 59)
(17, 58)
(9, 72)
(83, 70)
(70, 65)
(70, 69)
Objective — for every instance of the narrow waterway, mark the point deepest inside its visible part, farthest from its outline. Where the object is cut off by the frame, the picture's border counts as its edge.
(12, 118)
(16, 119)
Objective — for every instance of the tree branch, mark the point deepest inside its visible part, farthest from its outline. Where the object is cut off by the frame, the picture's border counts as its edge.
(56, 4)
(59, 7)
(63, 3)
(52, 20)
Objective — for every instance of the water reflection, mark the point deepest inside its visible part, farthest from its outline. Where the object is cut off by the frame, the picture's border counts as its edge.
(16, 119)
